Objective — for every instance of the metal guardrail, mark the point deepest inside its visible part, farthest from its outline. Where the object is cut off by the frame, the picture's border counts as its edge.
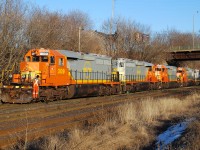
(182, 48)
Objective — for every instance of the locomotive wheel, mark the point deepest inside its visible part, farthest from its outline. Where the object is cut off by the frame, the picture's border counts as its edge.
(133, 89)
(70, 91)
(159, 86)
(47, 95)
(138, 87)
(60, 97)
(101, 90)
(115, 89)
(150, 86)
(167, 85)
(108, 90)
(128, 88)
(5, 97)
(25, 97)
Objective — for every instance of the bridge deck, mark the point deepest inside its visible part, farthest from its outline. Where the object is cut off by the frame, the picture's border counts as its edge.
(185, 55)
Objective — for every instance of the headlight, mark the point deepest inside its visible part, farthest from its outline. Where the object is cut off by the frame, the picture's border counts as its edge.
(23, 76)
(10, 76)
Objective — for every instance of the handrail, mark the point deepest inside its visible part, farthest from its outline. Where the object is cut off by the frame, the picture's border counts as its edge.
(188, 47)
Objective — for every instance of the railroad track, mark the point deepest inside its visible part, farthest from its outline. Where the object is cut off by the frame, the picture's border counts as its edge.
(40, 119)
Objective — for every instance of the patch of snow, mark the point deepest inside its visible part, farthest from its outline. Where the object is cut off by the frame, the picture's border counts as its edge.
(171, 134)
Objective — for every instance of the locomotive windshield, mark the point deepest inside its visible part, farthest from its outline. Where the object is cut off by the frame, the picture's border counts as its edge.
(179, 71)
(158, 69)
(37, 59)
(150, 68)
(44, 58)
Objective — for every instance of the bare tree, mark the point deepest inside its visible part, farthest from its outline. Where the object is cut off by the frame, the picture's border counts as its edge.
(45, 29)
(12, 29)
(75, 20)
(175, 40)
(128, 39)
(55, 30)
(158, 49)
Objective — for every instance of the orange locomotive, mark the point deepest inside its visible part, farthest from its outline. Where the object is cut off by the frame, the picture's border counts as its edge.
(158, 76)
(187, 76)
(182, 75)
(60, 74)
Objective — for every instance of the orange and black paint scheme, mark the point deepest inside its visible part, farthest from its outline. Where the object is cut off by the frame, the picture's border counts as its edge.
(56, 80)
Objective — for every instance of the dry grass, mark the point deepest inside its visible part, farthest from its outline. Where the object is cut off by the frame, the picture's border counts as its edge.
(190, 140)
(194, 140)
(131, 127)
(150, 110)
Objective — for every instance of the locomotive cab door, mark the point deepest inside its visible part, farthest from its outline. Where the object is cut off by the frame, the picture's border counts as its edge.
(52, 66)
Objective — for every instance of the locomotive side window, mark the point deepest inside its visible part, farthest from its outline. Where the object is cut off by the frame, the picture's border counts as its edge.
(121, 64)
(44, 59)
(28, 58)
(36, 58)
(60, 61)
(52, 59)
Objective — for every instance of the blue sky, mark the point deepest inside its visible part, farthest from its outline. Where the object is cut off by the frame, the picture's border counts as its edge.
(158, 14)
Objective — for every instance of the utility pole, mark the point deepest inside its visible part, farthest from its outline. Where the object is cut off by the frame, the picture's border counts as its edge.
(193, 35)
(112, 17)
(79, 38)
(111, 27)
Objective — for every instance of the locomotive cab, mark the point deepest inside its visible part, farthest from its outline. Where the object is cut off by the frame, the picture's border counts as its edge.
(34, 60)
(49, 65)
(181, 75)
(160, 72)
